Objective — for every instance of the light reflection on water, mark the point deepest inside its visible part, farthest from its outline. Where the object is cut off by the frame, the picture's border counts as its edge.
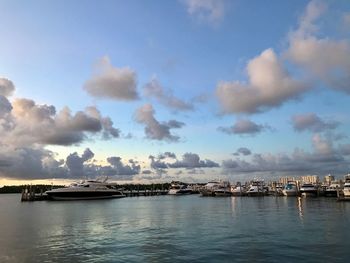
(172, 229)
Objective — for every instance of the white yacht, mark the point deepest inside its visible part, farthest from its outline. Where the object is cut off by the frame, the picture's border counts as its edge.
(223, 189)
(178, 188)
(332, 189)
(85, 190)
(290, 189)
(209, 188)
(238, 190)
(308, 189)
(346, 190)
(257, 188)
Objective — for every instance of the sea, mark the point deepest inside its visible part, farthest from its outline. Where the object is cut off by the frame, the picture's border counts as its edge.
(175, 229)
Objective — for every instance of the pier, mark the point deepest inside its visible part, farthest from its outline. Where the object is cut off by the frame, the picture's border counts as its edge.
(29, 193)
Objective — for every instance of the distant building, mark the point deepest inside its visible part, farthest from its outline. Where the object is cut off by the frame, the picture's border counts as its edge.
(328, 179)
(285, 180)
(313, 179)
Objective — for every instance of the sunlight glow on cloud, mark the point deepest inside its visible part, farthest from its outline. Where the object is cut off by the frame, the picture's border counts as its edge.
(269, 86)
(112, 83)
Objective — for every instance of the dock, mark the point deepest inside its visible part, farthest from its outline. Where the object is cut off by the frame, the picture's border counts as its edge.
(29, 194)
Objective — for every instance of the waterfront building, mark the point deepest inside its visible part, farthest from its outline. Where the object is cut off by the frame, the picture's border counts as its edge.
(312, 179)
(286, 179)
(328, 179)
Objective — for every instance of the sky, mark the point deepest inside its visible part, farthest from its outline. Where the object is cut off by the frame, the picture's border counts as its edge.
(190, 90)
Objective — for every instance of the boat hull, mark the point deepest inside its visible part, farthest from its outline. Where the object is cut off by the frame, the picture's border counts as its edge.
(222, 193)
(206, 192)
(83, 195)
(180, 192)
(331, 193)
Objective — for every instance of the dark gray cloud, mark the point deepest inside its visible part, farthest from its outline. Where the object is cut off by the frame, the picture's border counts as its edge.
(189, 161)
(167, 155)
(84, 167)
(312, 122)
(153, 128)
(344, 149)
(6, 87)
(157, 163)
(130, 169)
(242, 150)
(75, 163)
(112, 83)
(324, 159)
(192, 160)
(5, 106)
(244, 127)
(29, 163)
(153, 89)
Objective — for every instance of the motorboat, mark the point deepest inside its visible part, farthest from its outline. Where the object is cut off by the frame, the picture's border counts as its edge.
(308, 189)
(223, 189)
(257, 188)
(85, 190)
(290, 189)
(332, 190)
(346, 190)
(178, 188)
(209, 188)
(238, 190)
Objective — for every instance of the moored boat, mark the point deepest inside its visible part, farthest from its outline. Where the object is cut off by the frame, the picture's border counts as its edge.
(238, 190)
(308, 189)
(257, 188)
(179, 188)
(209, 188)
(85, 190)
(332, 190)
(290, 189)
(223, 189)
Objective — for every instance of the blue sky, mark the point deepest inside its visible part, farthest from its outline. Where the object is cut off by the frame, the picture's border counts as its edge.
(199, 79)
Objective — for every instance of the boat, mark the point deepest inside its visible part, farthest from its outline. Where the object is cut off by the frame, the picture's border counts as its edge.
(290, 189)
(257, 188)
(238, 190)
(85, 190)
(308, 189)
(209, 188)
(179, 188)
(223, 189)
(332, 189)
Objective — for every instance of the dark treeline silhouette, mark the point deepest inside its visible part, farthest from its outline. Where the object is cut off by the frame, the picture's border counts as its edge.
(15, 189)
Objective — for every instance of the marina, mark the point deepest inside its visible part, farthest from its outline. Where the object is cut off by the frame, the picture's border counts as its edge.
(171, 228)
(95, 189)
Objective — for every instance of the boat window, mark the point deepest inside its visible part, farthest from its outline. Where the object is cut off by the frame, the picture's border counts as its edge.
(86, 185)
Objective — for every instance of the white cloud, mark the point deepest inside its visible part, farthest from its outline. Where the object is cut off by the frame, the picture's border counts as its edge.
(155, 90)
(211, 11)
(6, 87)
(312, 122)
(112, 83)
(153, 128)
(244, 126)
(30, 123)
(269, 86)
(324, 58)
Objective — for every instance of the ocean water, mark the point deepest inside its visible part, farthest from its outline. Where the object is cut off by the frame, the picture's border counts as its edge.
(175, 229)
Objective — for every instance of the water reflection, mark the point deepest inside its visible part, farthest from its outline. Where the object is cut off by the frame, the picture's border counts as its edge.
(300, 209)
